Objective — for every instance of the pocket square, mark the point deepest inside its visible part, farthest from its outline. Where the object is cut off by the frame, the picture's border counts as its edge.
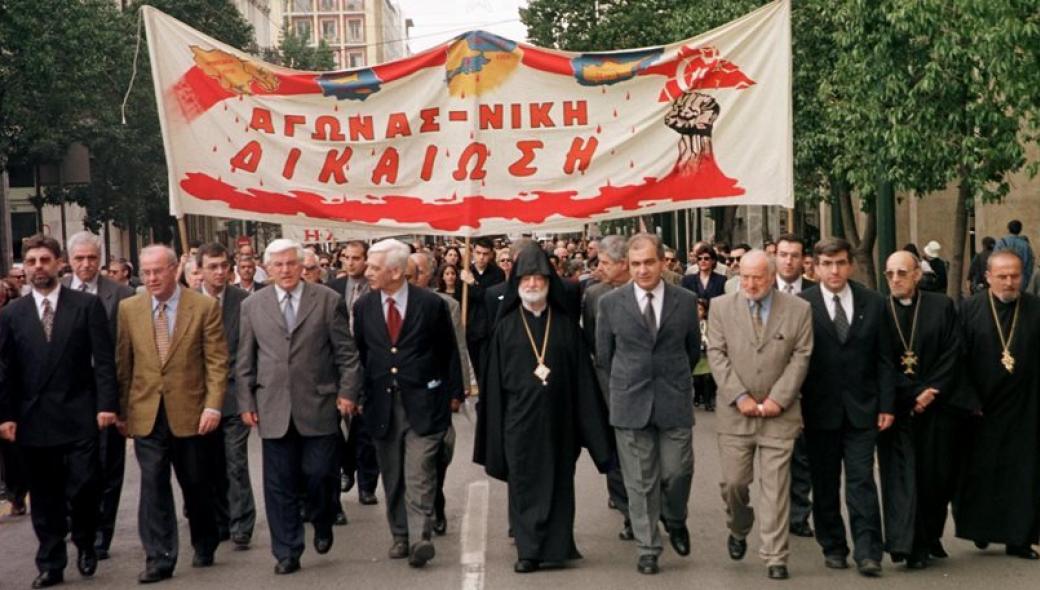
(433, 384)
(778, 337)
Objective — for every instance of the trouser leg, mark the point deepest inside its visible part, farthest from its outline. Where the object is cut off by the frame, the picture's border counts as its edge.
(241, 505)
(774, 480)
(825, 454)
(444, 457)
(640, 466)
(736, 461)
(49, 511)
(801, 483)
(675, 447)
(193, 464)
(420, 482)
(156, 521)
(390, 450)
(318, 467)
(282, 474)
(861, 497)
(112, 451)
(895, 452)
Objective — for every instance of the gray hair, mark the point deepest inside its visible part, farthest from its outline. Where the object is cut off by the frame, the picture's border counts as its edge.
(756, 252)
(83, 238)
(613, 247)
(397, 253)
(171, 256)
(282, 245)
(647, 237)
(190, 266)
(429, 262)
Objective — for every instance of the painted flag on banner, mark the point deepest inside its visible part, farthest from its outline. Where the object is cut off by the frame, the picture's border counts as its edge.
(478, 135)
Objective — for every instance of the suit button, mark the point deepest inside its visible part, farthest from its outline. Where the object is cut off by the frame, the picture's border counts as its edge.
(393, 370)
(393, 350)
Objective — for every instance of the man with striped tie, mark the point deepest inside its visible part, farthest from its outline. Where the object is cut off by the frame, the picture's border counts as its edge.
(172, 365)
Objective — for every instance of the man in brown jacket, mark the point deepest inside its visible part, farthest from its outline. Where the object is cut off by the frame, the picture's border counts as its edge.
(172, 365)
(759, 344)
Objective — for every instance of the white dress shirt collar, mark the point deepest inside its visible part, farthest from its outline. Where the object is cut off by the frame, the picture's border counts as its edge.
(796, 285)
(92, 286)
(845, 296)
(400, 298)
(52, 297)
(658, 300)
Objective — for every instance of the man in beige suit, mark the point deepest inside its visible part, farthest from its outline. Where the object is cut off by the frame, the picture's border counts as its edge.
(759, 344)
(172, 368)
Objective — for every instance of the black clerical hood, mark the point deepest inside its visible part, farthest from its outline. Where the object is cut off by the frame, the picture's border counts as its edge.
(532, 260)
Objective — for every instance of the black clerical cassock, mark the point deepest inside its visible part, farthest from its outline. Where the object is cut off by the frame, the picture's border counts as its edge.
(917, 455)
(530, 433)
(999, 499)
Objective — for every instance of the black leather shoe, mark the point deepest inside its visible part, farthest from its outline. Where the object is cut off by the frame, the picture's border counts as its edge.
(287, 566)
(917, 562)
(626, 533)
(420, 553)
(341, 519)
(399, 550)
(440, 526)
(367, 498)
(680, 538)
(346, 482)
(151, 575)
(777, 572)
(982, 545)
(736, 547)
(240, 541)
(87, 562)
(835, 562)
(102, 553)
(937, 550)
(48, 578)
(801, 529)
(323, 542)
(202, 560)
(224, 535)
(870, 568)
(525, 566)
(1022, 551)
(647, 565)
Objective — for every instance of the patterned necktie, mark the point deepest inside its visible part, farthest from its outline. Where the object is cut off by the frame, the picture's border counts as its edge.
(393, 320)
(162, 333)
(649, 316)
(841, 321)
(756, 318)
(789, 289)
(84, 287)
(289, 312)
(48, 319)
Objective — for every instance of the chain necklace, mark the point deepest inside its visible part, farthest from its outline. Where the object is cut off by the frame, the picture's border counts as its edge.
(1005, 358)
(909, 359)
(541, 371)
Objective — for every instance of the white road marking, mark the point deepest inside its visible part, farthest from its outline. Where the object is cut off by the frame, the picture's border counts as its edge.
(474, 535)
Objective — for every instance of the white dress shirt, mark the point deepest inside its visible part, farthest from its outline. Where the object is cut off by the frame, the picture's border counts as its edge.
(658, 300)
(296, 293)
(400, 300)
(171, 309)
(52, 297)
(92, 286)
(796, 285)
(845, 295)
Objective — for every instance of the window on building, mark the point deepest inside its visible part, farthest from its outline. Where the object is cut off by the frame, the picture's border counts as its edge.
(328, 29)
(21, 176)
(327, 5)
(302, 27)
(301, 5)
(353, 5)
(357, 59)
(355, 31)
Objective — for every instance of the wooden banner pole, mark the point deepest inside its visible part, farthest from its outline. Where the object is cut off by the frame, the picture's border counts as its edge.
(465, 285)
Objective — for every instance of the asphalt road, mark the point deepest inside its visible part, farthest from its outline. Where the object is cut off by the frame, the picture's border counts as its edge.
(477, 553)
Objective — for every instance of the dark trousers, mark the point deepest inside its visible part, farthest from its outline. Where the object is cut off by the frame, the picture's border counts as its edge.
(444, 456)
(829, 451)
(236, 510)
(358, 455)
(191, 460)
(16, 480)
(290, 463)
(64, 486)
(704, 390)
(112, 449)
(801, 483)
(616, 489)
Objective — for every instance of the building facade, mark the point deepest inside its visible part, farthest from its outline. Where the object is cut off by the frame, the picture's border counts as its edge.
(360, 32)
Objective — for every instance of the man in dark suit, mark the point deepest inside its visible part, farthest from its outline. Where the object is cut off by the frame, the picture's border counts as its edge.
(57, 389)
(790, 250)
(296, 366)
(648, 341)
(236, 510)
(613, 273)
(847, 397)
(412, 368)
(357, 453)
(481, 275)
(84, 254)
(171, 362)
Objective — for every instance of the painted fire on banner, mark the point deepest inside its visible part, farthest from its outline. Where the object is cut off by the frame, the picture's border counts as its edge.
(478, 135)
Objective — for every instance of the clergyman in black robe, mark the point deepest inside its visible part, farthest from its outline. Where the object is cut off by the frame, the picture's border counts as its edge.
(531, 428)
(999, 498)
(918, 455)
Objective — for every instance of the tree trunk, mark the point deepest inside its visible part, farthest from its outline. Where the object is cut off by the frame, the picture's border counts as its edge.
(955, 286)
(862, 244)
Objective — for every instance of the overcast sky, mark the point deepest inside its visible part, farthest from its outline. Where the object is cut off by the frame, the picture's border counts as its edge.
(436, 21)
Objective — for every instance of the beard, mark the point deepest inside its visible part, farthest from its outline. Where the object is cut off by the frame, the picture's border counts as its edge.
(1007, 297)
(44, 281)
(534, 298)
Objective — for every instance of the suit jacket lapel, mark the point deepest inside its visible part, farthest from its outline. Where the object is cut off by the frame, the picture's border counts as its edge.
(773, 323)
(743, 313)
(668, 306)
(59, 334)
(185, 308)
(410, 313)
(308, 301)
(273, 307)
(859, 306)
(815, 298)
(631, 303)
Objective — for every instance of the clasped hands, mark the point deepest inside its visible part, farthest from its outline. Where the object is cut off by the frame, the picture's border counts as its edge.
(750, 408)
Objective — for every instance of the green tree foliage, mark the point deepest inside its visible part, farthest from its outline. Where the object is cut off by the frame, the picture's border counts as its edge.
(297, 53)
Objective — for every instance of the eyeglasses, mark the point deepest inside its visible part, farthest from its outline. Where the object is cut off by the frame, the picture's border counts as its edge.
(732, 259)
(899, 272)
(311, 268)
(669, 259)
(704, 257)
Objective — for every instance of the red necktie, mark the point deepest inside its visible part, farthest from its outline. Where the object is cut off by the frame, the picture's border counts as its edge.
(393, 320)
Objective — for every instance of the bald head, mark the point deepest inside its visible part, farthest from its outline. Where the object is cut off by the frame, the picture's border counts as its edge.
(420, 269)
(903, 273)
(1004, 275)
(757, 272)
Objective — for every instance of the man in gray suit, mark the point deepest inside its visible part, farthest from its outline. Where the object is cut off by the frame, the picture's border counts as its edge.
(236, 510)
(648, 341)
(759, 344)
(84, 253)
(612, 271)
(297, 365)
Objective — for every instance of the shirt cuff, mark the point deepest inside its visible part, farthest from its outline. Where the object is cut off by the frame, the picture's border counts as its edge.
(212, 411)
(741, 398)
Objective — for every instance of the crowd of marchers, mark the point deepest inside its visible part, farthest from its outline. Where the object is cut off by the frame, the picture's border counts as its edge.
(349, 365)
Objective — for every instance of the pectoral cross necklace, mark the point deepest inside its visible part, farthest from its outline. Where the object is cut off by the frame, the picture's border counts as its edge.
(1005, 358)
(541, 371)
(909, 358)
